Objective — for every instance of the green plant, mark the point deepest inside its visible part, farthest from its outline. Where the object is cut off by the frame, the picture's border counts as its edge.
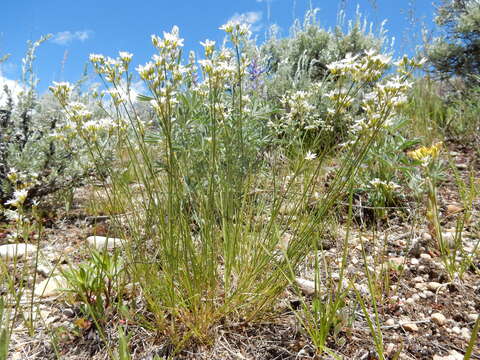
(123, 352)
(428, 160)
(327, 313)
(473, 339)
(4, 330)
(203, 226)
(96, 283)
(456, 53)
(386, 174)
(35, 148)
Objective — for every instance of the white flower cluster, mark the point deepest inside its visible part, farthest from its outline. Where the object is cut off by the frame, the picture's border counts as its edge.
(380, 184)
(237, 31)
(62, 91)
(165, 74)
(384, 102)
(111, 69)
(22, 183)
(367, 68)
(19, 197)
(300, 113)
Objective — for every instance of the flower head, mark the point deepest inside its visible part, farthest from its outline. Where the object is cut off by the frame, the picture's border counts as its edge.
(310, 156)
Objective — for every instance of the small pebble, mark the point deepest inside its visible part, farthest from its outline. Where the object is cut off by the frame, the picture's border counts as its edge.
(390, 322)
(425, 256)
(472, 317)
(421, 286)
(389, 349)
(428, 294)
(69, 313)
(434, 286)
(465, 333)
(426, 236)
(438, 318)
(400, 260)
(410, 327)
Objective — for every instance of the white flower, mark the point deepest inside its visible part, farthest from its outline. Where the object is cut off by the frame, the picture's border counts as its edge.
(310, 156)
(209, 46)
(146, 71)
(19, 197)
(125, 56)
(96, 58)
(228, 27)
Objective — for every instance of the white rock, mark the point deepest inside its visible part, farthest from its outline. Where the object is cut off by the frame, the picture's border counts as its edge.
(389, 349)
(363, 289)
(412, 327)
(400, 260)
(456, 330)
(438, 318)
(425, 256)
(426, 236)
(421, 286)
(428, 294)
(390, 322)
(44, 269)
(417, 279)
(472, 317)
(410, 301)
(452, 355)
(433, 286)
(11, 251)
(307, 286)
(465, 333)
(51, 287)
(414, 261)
(102, 242)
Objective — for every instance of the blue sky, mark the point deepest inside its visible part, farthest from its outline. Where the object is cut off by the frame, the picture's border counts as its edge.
(105, 26)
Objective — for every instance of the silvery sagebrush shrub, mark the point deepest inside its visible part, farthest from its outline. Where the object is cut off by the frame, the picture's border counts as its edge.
(37, 155)
(298, 74)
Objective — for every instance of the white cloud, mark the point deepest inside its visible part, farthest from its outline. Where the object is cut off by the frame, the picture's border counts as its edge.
(252, 18)
(13, 86)
(66, 37)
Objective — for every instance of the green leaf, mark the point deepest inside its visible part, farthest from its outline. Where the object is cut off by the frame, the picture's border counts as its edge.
(4, 340)
(145, 98)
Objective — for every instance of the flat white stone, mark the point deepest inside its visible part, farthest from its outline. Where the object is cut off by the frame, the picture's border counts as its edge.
(51, 287)
(307, 286)
(102, 242)
(11, 251)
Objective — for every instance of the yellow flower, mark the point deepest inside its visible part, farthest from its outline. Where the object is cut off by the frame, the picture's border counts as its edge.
(426, 153)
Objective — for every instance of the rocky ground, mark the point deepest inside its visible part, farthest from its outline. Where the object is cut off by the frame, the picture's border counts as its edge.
(423, 313)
